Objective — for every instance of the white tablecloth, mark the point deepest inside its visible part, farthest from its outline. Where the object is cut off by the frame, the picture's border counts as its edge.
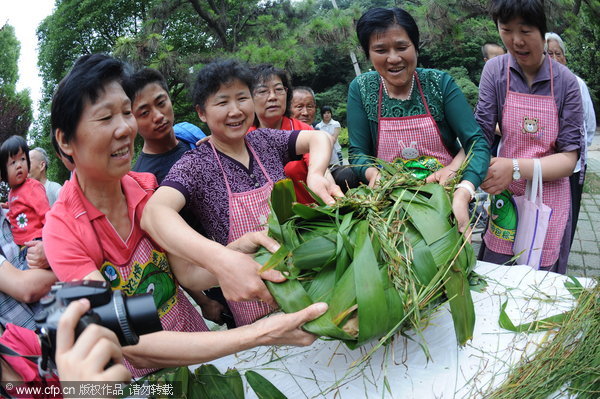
(325, 368)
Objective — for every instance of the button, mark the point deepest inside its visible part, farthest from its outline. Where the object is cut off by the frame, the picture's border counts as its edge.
(256, 185)
(252, 175)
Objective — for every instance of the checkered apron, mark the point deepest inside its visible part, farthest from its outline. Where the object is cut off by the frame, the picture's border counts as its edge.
(176, 312)
(410, 137)
(248, 212)
(524, 138)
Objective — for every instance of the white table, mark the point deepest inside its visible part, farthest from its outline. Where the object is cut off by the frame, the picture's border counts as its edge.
(324, 370)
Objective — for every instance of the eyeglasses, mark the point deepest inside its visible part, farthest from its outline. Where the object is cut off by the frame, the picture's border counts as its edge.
(265, 91)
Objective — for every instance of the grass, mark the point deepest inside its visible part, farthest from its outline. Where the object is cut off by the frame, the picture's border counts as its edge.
(592, 183)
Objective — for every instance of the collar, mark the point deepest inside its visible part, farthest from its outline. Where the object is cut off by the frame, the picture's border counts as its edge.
(543, 74)
(134, 194)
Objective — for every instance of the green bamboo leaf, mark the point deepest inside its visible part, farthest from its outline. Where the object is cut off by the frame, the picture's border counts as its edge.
(217, 385)
(372, 305)
(423, 264)
(317, 253)
(235, 382)
(263, 388)
(309, 213)
(545, 324)
(457, 290)
(283, 197)
(272, 261)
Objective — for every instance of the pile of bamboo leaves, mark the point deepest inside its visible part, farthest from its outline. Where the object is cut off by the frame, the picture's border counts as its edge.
(383, 258)
(206, 382)
(568, 361)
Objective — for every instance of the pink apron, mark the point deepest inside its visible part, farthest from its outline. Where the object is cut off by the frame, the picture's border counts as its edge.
(248, 212)
(530, 126)
(148, 270)
(414, 137)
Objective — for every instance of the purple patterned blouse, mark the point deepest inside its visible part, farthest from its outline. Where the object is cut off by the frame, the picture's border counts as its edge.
(199, 178)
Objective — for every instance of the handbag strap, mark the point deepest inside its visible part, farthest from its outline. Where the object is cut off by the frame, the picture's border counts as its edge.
(535, 185)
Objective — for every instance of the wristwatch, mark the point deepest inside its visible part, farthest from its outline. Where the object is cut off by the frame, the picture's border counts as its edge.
(516, 171)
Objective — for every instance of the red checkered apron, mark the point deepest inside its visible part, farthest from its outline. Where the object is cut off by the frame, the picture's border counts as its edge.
(148, 270)
(530, 126)
(410, 137)
(248, 212)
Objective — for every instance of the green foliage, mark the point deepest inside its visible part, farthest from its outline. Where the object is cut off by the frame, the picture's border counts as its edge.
(469, 89)
(9, 48)
(15, 107)
(309, 38)
(343, 137)
(336, 98)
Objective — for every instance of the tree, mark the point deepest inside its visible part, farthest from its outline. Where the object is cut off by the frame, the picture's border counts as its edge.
(15, 107)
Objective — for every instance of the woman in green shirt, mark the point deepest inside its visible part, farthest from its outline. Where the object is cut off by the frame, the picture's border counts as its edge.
(401, 112)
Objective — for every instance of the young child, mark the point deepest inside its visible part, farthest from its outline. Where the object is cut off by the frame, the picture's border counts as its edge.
(27, 201)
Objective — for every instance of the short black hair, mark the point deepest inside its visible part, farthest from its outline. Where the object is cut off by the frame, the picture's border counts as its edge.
(216, 74)
(532, 12)
(326, 108)
(136, 82)
(378, 20)
(10, 147)
(85, 81)
(264, 72)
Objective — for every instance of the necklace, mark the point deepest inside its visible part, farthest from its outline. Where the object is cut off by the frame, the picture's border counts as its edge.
(412, 85)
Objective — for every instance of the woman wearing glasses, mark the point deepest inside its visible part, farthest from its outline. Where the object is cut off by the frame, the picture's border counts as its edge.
(226, 182)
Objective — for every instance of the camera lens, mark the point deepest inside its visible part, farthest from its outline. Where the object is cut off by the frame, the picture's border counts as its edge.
(129, 317)
(141, 313)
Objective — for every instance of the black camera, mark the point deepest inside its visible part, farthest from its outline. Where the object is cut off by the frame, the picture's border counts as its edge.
(128, 317)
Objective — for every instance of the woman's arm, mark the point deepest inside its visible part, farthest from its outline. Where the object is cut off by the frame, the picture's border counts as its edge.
(554, 167)
(237, 273)
(318, 144)
(459, 117)
(171, 349)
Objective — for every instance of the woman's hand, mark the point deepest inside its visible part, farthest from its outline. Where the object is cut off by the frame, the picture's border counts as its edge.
(499, 176)
(460, 209)
(324, 187)
(85, 359)
(285, 329)
(441, 176)
(249, 243)
(372, 174)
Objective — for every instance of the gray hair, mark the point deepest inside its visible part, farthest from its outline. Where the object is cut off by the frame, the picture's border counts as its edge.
(557, 39)
(306, 89)
(44, 155)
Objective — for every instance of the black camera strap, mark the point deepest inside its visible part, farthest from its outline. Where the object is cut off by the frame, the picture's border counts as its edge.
(5, 350)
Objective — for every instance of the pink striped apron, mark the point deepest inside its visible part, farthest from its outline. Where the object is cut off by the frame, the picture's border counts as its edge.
(248, 212)
(148, 270)
(415, 137)
(530, 126)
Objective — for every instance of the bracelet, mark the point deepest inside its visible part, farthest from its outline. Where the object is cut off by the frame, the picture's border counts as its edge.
(466, 187)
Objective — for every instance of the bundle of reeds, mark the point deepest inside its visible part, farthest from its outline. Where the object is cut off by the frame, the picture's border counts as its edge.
(383, 258)
(568, 361)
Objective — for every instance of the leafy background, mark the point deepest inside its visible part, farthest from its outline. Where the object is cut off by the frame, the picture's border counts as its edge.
(310, 38)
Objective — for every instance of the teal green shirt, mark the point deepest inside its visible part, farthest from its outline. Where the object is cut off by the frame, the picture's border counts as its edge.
(447, 105)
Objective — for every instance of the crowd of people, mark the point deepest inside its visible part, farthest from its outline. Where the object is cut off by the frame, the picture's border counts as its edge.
(190, 212)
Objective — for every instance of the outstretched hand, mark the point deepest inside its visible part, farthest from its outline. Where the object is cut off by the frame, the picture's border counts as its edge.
(324, 187)
(286, 329)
